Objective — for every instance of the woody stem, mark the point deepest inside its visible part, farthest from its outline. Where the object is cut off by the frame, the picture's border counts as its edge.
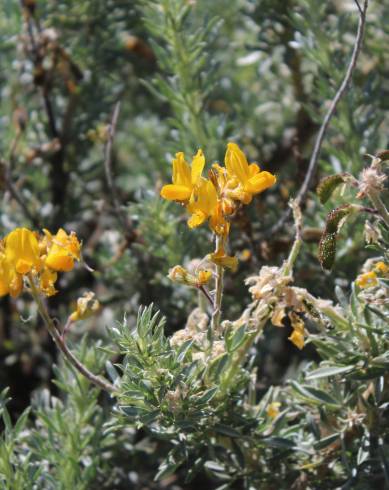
(217, 301)
(60, 342)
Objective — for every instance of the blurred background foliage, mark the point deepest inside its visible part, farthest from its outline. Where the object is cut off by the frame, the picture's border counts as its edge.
(187, 74)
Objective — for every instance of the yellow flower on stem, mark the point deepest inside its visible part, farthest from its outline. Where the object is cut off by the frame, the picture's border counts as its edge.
(181, 275)
(273, 409)
(87, 306)
(185, 178)
(22, 250)
(63, 250)
(202, 204)
(367, 280)
(221, 258)
(250, 179)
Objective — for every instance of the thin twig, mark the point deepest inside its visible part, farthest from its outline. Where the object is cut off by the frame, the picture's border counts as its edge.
(59, 340)
(206, 294)
(327, 119)
(359, 7)
(18, 198)
(122, 216)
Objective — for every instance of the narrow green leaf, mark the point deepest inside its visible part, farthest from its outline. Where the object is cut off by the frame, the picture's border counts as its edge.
(329, 371)
(326, 441)
(238, 338)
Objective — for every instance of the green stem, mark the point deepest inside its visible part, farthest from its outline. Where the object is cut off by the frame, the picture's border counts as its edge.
(380, 206)
(60, 342)
(295, 250)
(240, 355)
(217, 302)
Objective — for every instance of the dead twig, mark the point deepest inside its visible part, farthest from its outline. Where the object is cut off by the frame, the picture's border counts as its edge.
(122, 217)
(327, 119)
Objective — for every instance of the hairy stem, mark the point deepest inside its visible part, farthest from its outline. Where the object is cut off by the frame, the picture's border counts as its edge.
(60, 343)
(217, 301)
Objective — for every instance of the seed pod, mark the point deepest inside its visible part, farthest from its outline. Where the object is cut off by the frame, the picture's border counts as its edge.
(327, 186)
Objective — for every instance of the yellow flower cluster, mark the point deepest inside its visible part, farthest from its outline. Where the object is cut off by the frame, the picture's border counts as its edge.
(26, 253)
(370, 279)
(215, 198)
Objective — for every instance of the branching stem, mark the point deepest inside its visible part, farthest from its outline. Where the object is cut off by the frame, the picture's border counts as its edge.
(61, 344)
(327, 118)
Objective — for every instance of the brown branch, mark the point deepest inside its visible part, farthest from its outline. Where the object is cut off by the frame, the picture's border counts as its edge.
(62, 346)
(121, 215)
(206, 294)
(326, 121)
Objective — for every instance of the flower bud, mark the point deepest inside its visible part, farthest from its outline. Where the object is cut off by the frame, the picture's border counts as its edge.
(87, 305)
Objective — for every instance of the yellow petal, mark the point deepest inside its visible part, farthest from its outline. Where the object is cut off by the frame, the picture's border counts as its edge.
(381, 267)
(236, 162)
(260, 182)
(221, 258)
(297, 338)
(253, 169)
(46, 282)
(60, 261)
(197, 219)
(203, 277)
(64, 249)
(273, 409)
(197, 166)
(22, 250)
(367, 280)
(181, 171)
(172, 192)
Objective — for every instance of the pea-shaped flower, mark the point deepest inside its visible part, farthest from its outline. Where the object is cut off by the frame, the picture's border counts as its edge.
(22, 251)
(63, 250)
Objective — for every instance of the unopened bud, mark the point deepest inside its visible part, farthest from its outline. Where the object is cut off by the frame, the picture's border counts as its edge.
(180, 275)
(87, 305)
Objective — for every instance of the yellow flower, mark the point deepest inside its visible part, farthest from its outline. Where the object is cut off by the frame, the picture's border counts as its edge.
(297, 337)
(63, 250)
(367, 280)
(273, 409)
(22, 250)
(185, 178)
(250, 179)
(381, 267)
(202, 204)
(221, 258)
(203, 277)
(181, 275)
(87, 305)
